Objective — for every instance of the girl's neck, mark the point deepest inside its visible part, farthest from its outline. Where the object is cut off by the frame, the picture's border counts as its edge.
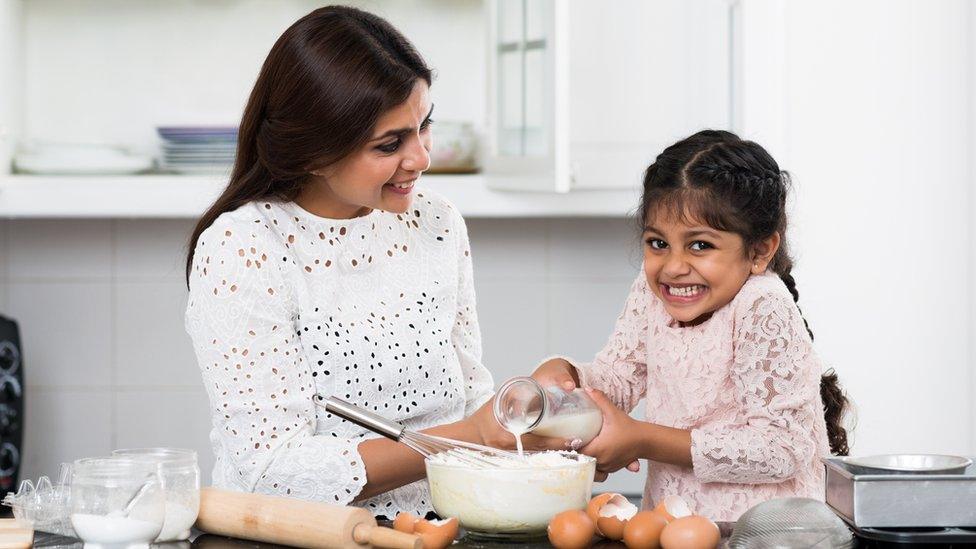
(320, 201)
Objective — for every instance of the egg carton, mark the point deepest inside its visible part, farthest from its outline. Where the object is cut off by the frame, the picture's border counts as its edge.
(44, 504)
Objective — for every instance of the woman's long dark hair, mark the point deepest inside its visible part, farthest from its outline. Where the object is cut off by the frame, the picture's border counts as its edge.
(735, 185)
(318, 96)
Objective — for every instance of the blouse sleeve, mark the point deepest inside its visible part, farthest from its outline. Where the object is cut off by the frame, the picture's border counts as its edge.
(776, 388)
(466, 335)
(241, 316)
(620, 368)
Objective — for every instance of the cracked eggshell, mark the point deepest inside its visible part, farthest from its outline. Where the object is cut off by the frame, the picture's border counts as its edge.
(437, 534)
(613, 516)
(673, 507)
(405, 522)
(593, 508)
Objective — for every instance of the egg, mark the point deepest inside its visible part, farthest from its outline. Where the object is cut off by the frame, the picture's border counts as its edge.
(593, 508)
(673, 507)
(571, 530)
(613, 516)
(692, 532)
(436, 534)
(643, 530)
(405, 522)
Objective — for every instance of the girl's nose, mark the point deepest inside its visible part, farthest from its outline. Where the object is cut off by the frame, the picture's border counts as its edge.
(417, 157)
(676, 266)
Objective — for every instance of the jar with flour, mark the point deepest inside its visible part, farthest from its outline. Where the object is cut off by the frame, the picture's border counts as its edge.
(181, 485)
(522, 406)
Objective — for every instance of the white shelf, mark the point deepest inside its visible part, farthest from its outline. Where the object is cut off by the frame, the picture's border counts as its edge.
(178, 196)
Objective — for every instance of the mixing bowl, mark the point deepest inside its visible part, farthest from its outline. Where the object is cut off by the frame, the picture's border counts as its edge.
(509, 502)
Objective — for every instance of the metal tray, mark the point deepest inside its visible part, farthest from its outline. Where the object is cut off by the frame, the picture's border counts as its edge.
(901, 501)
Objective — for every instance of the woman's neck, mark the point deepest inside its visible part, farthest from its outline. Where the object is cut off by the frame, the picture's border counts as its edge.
(319, 200)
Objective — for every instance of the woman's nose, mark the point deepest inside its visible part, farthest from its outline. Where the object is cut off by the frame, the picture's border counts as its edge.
(418, 155)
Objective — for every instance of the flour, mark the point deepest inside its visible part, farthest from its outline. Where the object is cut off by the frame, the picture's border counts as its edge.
(113, 529)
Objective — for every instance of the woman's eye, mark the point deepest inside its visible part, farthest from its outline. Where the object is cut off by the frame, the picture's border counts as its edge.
(426, 124)
(389, 148)
(657, 243)
(699, 245)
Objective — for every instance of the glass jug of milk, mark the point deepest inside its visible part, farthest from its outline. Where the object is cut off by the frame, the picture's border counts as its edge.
(522, 406)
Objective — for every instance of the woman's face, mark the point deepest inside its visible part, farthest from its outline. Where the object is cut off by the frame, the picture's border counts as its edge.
(382, 173)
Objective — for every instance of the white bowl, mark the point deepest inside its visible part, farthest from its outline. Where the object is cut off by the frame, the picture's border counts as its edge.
(509, 502)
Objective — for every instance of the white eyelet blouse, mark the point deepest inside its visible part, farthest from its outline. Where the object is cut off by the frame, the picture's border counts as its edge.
(378, 310)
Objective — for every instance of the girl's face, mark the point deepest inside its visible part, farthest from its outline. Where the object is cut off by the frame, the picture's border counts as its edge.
(695, 269)
(382, 173)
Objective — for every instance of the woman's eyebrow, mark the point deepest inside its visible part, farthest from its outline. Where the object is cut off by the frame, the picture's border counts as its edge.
(400, 131)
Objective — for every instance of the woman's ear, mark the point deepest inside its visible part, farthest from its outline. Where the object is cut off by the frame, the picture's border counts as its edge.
(763, 253)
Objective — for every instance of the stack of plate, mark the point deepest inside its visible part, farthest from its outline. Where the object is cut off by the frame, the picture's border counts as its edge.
(198, 149)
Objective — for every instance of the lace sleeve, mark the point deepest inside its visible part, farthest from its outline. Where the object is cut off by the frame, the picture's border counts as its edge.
(620, 368)
(466, 335)
(241, 317)
(776, 388)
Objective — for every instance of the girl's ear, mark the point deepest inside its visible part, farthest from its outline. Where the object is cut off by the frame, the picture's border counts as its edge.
(763, 253)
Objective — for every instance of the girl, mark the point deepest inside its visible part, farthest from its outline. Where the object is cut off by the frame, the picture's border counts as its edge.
(737, 411)
(321, 270)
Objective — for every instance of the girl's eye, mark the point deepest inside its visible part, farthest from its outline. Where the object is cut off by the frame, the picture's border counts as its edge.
(699, 245)
(657, 243)
(391, 147)
(426, 124)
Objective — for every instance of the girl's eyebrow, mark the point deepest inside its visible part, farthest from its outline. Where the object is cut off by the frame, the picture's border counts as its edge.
(401, 131)
(701, 232)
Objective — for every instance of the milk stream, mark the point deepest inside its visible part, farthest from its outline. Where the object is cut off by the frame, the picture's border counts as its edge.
(580, 426)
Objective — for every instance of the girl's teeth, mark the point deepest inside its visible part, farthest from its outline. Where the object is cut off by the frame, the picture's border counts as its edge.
(402, 185)
(688, 291)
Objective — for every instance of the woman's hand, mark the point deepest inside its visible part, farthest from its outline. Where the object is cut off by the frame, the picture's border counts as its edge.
(557, 371)
(620, 440)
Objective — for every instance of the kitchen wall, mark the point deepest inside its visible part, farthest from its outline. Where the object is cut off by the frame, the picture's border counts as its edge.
(108, 365)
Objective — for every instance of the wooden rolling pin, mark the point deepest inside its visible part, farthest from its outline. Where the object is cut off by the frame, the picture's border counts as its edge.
(295, 522)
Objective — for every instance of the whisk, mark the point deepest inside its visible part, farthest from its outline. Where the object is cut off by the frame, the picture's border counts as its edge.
(425, 445)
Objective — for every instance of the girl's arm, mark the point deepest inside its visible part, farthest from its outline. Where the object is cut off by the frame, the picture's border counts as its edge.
(620, 368)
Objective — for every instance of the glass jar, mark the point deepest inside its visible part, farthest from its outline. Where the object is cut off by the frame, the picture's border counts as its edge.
(181, 485)
(522, 405)
(116, 502)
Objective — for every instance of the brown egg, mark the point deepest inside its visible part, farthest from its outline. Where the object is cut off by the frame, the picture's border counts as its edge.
(437, 534)
(593, 508)
(643, 530)
(571, 530)
(613, 516)
(405, 522)
(692, 532)
(673, 507)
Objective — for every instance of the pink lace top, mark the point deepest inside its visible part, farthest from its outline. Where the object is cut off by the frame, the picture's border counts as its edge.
(745, 382)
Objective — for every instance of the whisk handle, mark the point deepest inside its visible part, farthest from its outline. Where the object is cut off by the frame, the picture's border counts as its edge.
(359, 416)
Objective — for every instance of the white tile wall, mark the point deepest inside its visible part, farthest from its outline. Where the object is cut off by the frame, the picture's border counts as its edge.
(108, 364)
(62, 425)
(66, 332)
(58, 249)
(151, 346)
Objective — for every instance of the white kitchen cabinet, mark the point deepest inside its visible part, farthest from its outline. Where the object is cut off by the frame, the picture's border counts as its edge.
(583, 95)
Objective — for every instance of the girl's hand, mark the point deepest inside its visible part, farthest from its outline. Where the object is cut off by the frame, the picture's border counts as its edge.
(617, 446)
(556, 371)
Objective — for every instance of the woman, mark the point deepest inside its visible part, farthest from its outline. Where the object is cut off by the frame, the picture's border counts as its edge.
(322, 270)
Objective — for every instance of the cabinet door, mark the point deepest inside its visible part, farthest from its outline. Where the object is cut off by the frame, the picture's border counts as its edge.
(643, 74)
(528, 95)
